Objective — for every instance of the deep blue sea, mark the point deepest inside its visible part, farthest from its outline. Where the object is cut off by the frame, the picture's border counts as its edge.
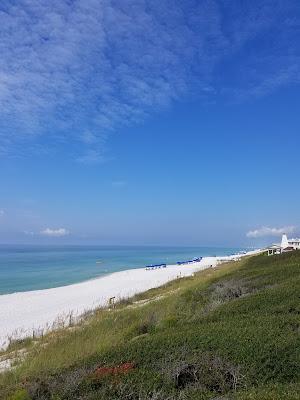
(27, 267)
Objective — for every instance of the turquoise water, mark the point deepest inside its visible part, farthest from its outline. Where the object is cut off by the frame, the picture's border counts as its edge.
(25, 268)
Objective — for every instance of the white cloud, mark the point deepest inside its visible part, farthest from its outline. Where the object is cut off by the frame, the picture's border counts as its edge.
(55, 232)
(2, 213)
(93, 156)
(267, 231)
(89, 138)
(29, 233)
(75, 71)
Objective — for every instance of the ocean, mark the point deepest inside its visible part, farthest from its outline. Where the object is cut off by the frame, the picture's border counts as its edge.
(24, 268)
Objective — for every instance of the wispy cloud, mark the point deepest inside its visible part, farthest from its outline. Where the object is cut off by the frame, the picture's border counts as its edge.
(29, 233)
(119, 183)
(2, 213)
(55, 232)
(265, 231)
(74, 72)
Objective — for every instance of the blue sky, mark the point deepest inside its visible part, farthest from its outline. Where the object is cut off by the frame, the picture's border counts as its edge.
(137, 122)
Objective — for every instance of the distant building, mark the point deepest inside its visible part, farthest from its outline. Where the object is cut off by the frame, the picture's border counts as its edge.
(285, 246)
(274, 249)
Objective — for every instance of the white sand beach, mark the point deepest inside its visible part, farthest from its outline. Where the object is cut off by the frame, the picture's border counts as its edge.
(23, 313)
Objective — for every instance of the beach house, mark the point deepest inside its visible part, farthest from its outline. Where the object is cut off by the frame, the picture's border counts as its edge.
(285, 245)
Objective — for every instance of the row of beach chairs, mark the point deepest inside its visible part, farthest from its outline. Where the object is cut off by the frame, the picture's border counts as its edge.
(156, 266)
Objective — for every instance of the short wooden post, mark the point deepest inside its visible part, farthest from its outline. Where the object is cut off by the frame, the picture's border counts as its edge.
(111, 302)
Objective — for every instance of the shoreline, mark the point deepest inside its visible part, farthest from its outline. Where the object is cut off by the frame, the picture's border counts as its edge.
(35, 267)
(23, 314)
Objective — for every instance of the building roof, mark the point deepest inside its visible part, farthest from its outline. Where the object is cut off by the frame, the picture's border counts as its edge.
(274, 246)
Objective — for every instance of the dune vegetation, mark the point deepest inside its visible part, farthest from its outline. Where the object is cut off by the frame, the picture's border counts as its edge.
(232, 332)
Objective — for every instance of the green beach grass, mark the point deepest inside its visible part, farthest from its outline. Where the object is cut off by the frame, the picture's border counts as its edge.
(227, 333)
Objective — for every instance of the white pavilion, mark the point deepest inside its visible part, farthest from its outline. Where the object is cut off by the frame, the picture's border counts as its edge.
(285, 245)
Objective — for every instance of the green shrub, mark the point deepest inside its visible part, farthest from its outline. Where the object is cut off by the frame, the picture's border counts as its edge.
(20, 394)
